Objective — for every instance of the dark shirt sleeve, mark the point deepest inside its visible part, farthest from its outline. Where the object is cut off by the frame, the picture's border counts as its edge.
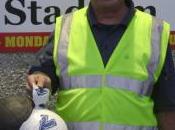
(164, 90)
(44, 63)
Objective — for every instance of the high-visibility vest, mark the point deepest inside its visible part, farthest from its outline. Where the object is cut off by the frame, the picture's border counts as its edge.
(117, 96)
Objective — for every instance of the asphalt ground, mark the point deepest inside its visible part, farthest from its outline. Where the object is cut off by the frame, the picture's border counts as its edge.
(13, 73)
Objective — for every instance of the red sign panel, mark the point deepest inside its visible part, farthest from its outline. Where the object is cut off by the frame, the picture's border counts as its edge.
(32, 42)
(23, 42)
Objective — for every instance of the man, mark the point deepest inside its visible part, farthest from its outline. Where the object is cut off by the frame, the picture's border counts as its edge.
(111, 66)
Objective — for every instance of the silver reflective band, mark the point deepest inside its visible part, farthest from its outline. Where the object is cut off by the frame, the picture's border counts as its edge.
(63, 43)
(94, 81)
(136, 86)
(98, 126)
(85, 81)
(115, 127)
(157, 27)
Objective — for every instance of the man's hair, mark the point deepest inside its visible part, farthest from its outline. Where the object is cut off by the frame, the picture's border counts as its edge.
(127, 2)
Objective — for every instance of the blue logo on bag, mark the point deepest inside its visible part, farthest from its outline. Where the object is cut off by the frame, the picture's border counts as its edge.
(41, 91)
(45, 123)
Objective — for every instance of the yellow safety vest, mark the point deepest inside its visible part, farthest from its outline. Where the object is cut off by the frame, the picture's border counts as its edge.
(115, 97)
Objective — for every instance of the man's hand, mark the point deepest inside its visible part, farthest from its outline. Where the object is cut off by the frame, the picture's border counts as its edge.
(39, 79)
(166, 120)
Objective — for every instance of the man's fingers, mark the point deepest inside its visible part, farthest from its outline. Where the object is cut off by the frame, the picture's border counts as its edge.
(39, 79)
(31, 80)
(42, 81)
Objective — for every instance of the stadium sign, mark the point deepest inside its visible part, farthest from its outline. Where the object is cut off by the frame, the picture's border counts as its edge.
(26, 24)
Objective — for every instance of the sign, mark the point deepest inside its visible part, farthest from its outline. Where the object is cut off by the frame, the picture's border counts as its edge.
(26, 24)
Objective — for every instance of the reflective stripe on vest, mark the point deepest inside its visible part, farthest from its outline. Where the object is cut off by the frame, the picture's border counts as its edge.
(96, 126)
(137, 86)
(91, 81)
(64, 40)
(155, 54)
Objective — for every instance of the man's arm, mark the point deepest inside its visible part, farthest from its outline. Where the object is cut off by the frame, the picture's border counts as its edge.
(44, 67)
(164, 95)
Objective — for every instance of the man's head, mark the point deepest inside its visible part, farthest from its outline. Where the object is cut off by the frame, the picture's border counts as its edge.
(106, 3)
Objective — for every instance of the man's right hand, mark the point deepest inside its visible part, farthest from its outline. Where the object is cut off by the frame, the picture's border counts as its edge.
(40, 79)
